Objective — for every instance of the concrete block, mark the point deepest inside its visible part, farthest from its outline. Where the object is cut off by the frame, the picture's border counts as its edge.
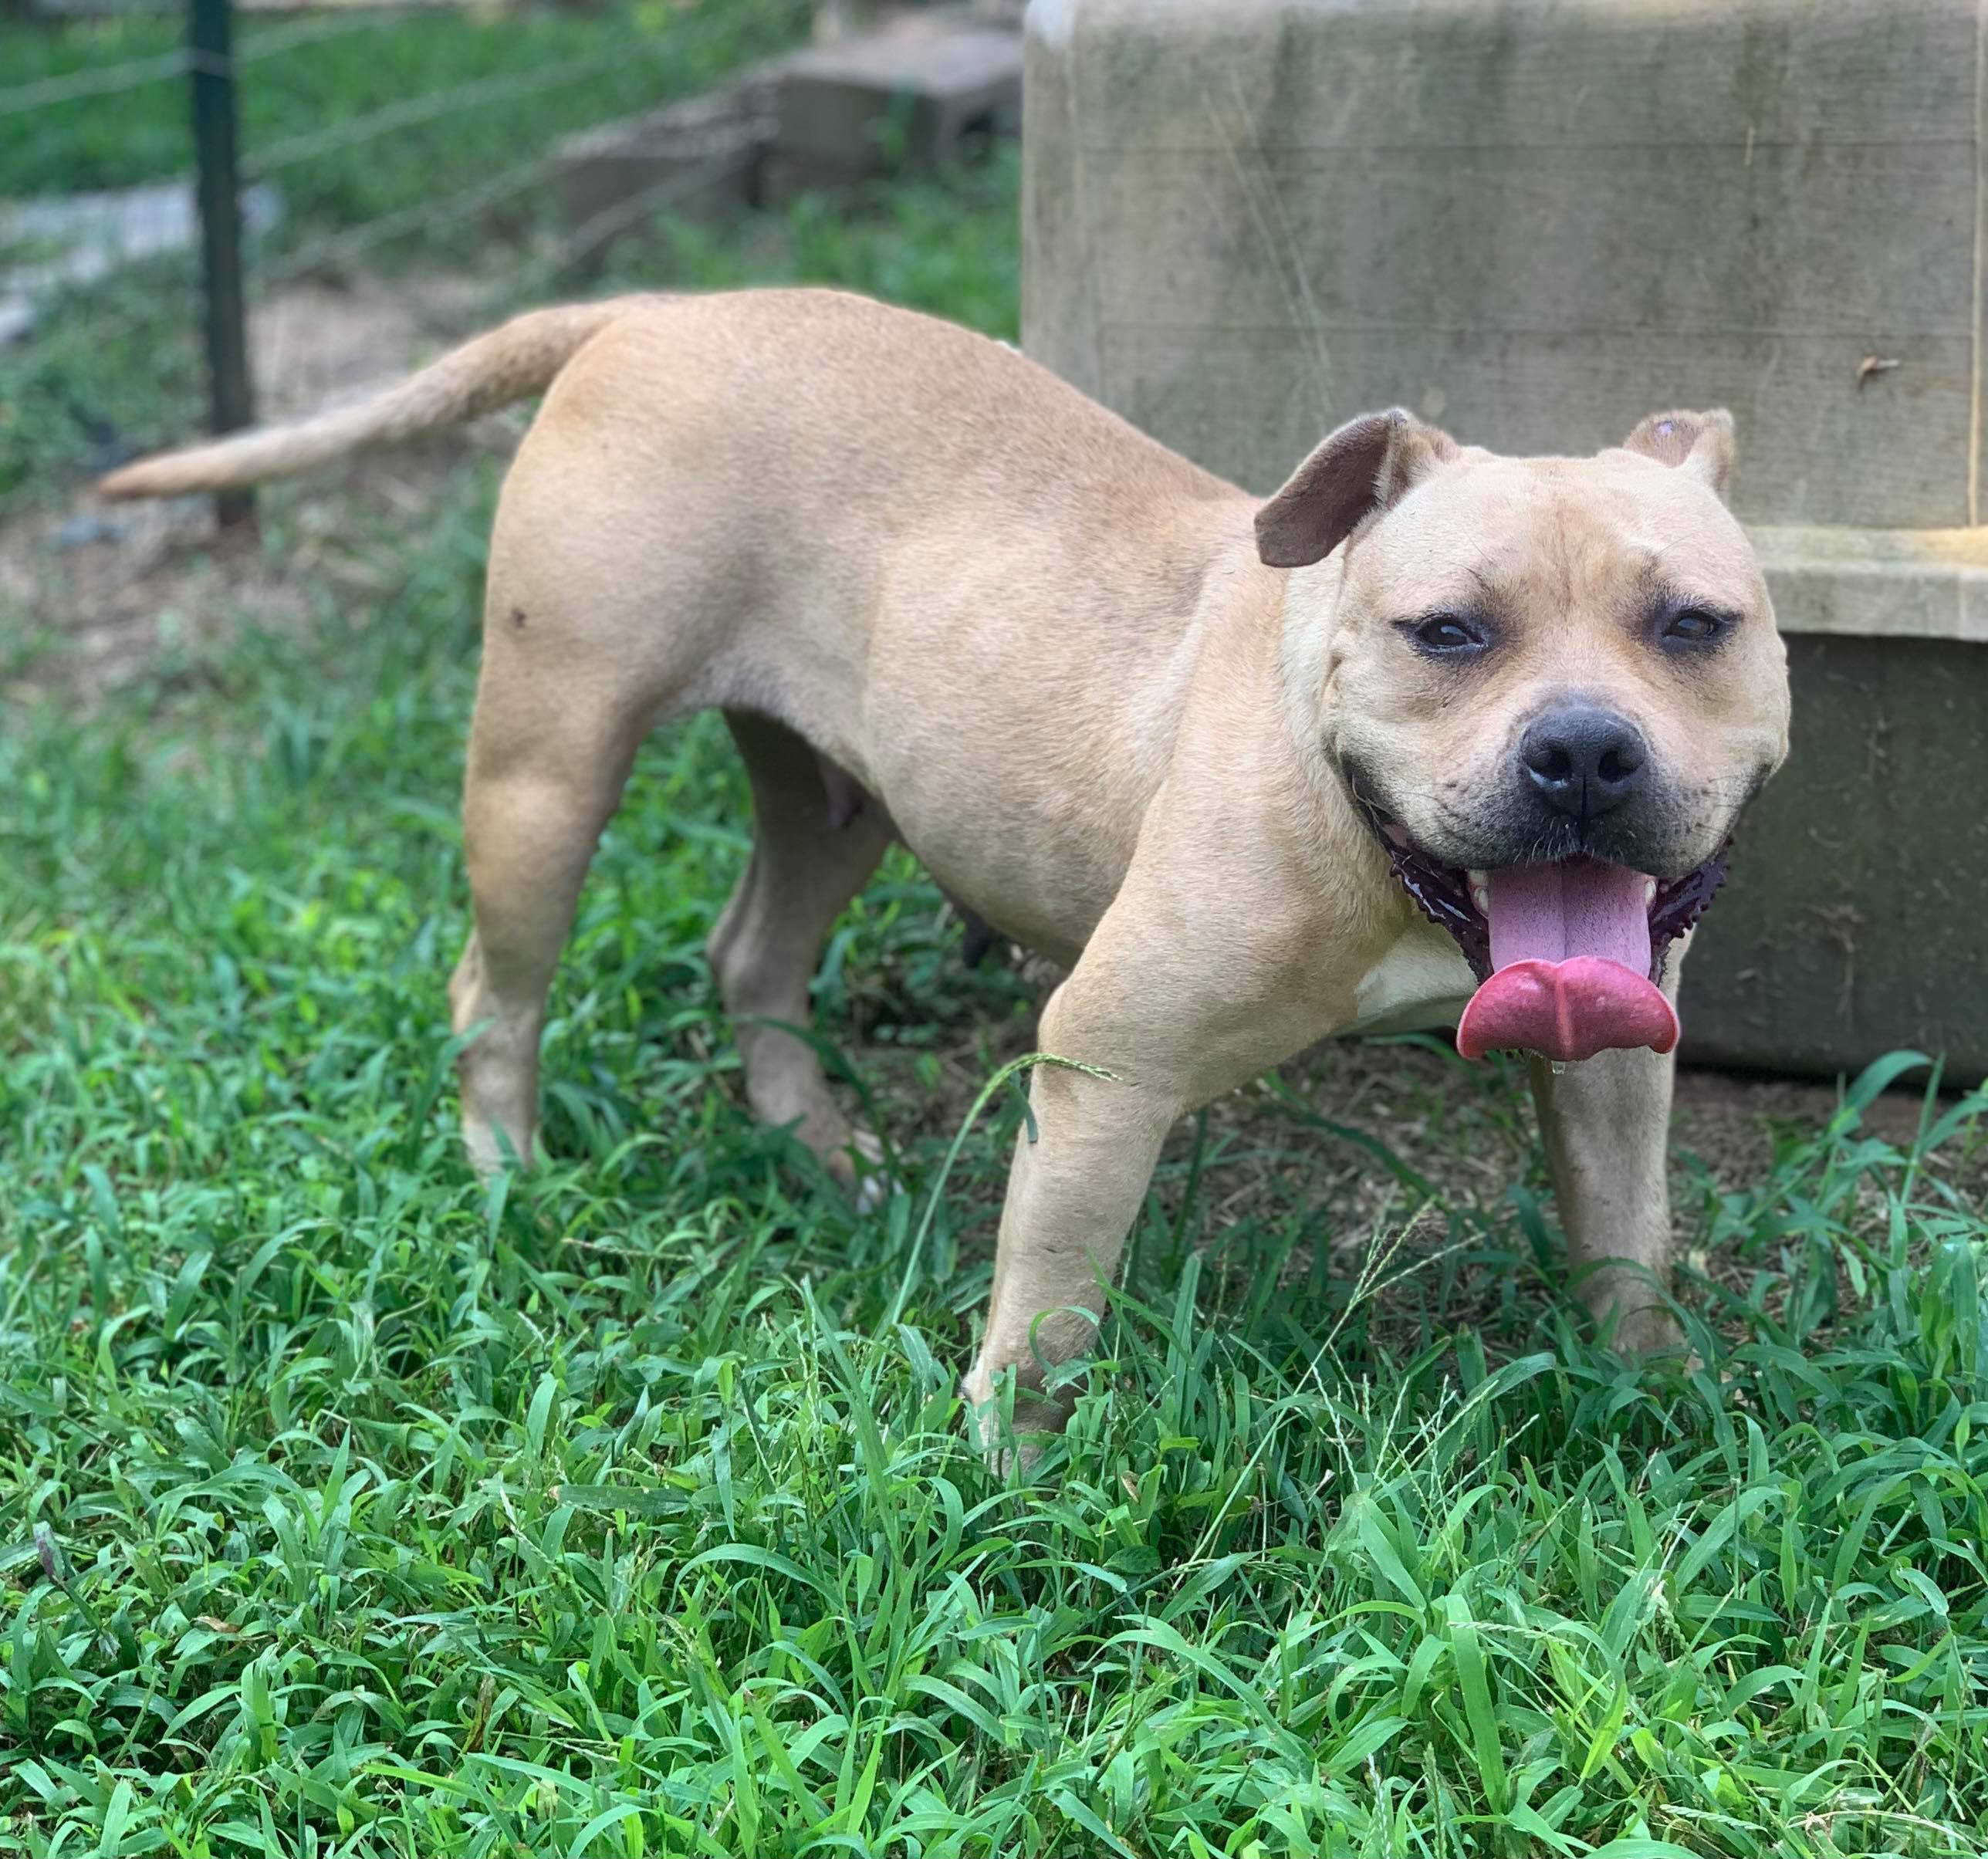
(68, 241)
(910, 93)
(1535, 223)
(1856, 920)
(699, 158)
(841, 19)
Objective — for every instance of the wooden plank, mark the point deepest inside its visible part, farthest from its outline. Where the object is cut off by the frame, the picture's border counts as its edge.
(1878, 583)
(1860, 242)
(1851, 925)
(1813, 446)
(1408, 75)
(1535, 221)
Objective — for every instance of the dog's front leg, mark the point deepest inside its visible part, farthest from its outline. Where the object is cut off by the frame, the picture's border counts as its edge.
(1607, 1125)
(1077, 1183)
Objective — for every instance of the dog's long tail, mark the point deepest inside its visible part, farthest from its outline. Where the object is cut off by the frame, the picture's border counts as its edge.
(518, 358)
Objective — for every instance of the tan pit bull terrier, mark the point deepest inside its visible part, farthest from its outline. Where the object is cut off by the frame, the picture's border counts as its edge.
(1432, 737)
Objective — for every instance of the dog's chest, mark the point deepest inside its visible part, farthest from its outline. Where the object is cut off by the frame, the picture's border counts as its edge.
(1420, 983)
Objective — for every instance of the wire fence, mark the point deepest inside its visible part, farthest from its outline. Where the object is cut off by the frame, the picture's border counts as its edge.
(46, 92)
(291, 180)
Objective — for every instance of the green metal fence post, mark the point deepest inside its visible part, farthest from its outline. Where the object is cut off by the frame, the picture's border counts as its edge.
(230, 395)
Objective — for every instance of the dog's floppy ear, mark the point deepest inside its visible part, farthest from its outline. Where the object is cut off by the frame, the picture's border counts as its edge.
(1699, 443)
(1368, 464)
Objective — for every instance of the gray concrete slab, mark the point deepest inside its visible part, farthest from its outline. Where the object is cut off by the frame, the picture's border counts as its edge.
(907, 95)
(1544, 217)
(49, 244)
(697, 159)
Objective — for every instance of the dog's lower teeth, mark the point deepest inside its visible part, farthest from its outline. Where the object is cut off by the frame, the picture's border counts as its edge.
(1649, 892)
(1480, 891)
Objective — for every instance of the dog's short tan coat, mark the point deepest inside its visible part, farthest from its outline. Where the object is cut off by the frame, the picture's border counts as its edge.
(1052, 656)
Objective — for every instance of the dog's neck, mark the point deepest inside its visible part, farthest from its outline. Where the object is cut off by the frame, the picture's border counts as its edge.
(1307, 622)
(1310, 598)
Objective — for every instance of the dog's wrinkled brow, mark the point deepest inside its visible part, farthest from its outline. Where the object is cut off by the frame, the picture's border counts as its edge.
(1486, 585)
(1661, 583)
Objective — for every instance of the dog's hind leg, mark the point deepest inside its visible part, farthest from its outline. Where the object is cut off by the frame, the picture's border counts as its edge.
(546, 768)
(810, 856)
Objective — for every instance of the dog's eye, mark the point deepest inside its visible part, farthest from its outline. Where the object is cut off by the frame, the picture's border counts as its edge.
(1694, 626)
(1445, 635)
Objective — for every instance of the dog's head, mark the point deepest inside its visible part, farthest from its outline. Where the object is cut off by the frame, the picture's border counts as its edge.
(1550, 684)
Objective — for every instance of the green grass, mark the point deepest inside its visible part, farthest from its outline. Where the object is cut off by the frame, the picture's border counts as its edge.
(591, 64)
(117, 366)
(350, 1507)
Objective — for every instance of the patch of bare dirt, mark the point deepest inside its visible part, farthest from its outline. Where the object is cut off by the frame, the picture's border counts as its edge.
(1292, 1143)
(96, 591)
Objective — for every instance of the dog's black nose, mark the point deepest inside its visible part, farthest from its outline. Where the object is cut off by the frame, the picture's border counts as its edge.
(1584, 761)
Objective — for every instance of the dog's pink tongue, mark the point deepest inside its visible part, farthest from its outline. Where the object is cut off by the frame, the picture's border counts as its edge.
(1571, 962)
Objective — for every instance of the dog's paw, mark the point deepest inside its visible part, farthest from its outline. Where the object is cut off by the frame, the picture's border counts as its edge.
(489, 1147)
(873, 1193)
(1650, 1332)
(859, 1165)
(1012, 1437)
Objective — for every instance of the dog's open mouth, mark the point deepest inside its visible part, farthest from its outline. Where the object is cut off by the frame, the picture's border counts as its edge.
(1568, 956)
